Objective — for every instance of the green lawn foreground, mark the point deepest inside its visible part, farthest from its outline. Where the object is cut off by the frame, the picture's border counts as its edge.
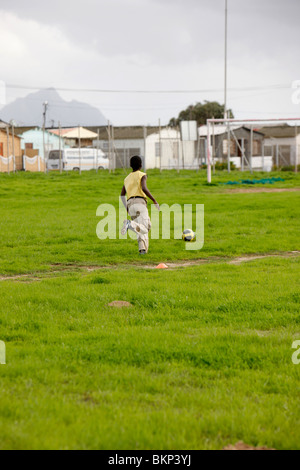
(202, 359)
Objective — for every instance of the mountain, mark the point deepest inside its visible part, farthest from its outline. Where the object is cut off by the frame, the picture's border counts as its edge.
(28, 111)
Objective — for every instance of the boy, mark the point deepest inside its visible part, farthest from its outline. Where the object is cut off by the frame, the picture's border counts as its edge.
(135, 186)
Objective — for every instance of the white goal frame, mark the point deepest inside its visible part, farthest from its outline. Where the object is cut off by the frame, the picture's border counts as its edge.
(231, 122)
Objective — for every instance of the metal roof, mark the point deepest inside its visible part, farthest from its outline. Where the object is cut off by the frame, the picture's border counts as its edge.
(61, 131)
(3, 124)
(223, 129)
(126, 133)
(283, 131)
(76, 133)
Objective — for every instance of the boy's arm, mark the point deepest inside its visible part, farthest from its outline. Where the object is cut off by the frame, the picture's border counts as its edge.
(147, 192)
(123, 194)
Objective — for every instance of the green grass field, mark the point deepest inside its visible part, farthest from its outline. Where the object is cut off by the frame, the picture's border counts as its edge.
(202, 358)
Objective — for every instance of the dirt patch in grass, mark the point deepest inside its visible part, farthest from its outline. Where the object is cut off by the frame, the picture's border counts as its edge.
(71, 269)
(245, 259)
(120, 304)
(237, 261)
(242, 446)
(25, 278)
(87, 398)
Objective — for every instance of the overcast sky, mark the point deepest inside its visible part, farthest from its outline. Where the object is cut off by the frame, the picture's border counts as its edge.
(154, 45)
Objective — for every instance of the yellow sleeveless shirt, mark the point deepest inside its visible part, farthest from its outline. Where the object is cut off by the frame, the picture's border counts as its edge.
(133, 185)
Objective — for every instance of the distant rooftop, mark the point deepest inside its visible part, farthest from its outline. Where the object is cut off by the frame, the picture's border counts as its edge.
(62, 131)
(282, 131)
(221, 129)
(123, 133)
(75, 133)
(3, 124)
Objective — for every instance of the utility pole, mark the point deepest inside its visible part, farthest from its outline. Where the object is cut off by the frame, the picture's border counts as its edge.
(160, 144)
(7, 136)
(296, 153)
(45, 106)
(225, 74)
(178, 149)
(79, 143)
(251, 149)
(113, 147)
(228, 148)
(109, 146)
(60, 160)
(98, 144)
(214, 149)
(12, 123)
(225, 86)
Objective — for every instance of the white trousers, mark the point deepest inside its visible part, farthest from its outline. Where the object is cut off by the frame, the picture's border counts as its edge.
(140, 221)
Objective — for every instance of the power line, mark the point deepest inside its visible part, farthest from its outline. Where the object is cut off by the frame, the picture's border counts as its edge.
(97, 90)
(58, 104)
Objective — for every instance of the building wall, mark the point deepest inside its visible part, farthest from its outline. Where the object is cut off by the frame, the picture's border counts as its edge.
(6, 166)
(35, 137)
(3, 144)
(221, 144)
(167, 151)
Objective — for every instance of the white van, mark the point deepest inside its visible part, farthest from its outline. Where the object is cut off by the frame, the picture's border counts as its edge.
(76, 159)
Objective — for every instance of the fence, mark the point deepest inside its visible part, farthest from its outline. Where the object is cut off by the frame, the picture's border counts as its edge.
(159, 148)
(282, 154)
(33, 164)
(239, 142)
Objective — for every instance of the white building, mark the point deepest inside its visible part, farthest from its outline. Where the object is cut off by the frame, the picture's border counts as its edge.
(166, 150)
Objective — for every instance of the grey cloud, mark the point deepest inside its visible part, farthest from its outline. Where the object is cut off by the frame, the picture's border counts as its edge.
(169, 31)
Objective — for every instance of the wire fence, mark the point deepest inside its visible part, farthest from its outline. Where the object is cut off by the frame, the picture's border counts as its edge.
(251, 144)
(243, 145)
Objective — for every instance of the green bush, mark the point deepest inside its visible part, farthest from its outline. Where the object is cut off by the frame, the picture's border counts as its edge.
(288, 168)
(224, 166)
(221, 166)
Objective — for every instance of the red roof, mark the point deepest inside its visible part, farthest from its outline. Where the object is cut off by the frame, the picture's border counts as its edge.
(62, 131)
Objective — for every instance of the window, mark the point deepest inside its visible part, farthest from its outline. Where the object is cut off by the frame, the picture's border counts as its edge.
(1, 149)
(232, 147)
(135, 151)
(257, 151)
(54, 155)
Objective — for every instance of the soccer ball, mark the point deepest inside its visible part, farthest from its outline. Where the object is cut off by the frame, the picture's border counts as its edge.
(188, 235)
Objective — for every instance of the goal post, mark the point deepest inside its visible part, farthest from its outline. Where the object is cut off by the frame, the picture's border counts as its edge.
(227, 131)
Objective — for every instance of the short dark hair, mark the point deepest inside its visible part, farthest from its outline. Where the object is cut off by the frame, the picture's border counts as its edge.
(136, 163)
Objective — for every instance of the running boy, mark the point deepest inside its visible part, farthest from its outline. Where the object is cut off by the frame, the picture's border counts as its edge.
(135, 186)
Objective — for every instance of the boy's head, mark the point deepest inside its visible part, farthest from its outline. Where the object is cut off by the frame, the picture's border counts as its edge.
(136, 163)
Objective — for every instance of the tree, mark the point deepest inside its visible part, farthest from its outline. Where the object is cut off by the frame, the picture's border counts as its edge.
(200, 113)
